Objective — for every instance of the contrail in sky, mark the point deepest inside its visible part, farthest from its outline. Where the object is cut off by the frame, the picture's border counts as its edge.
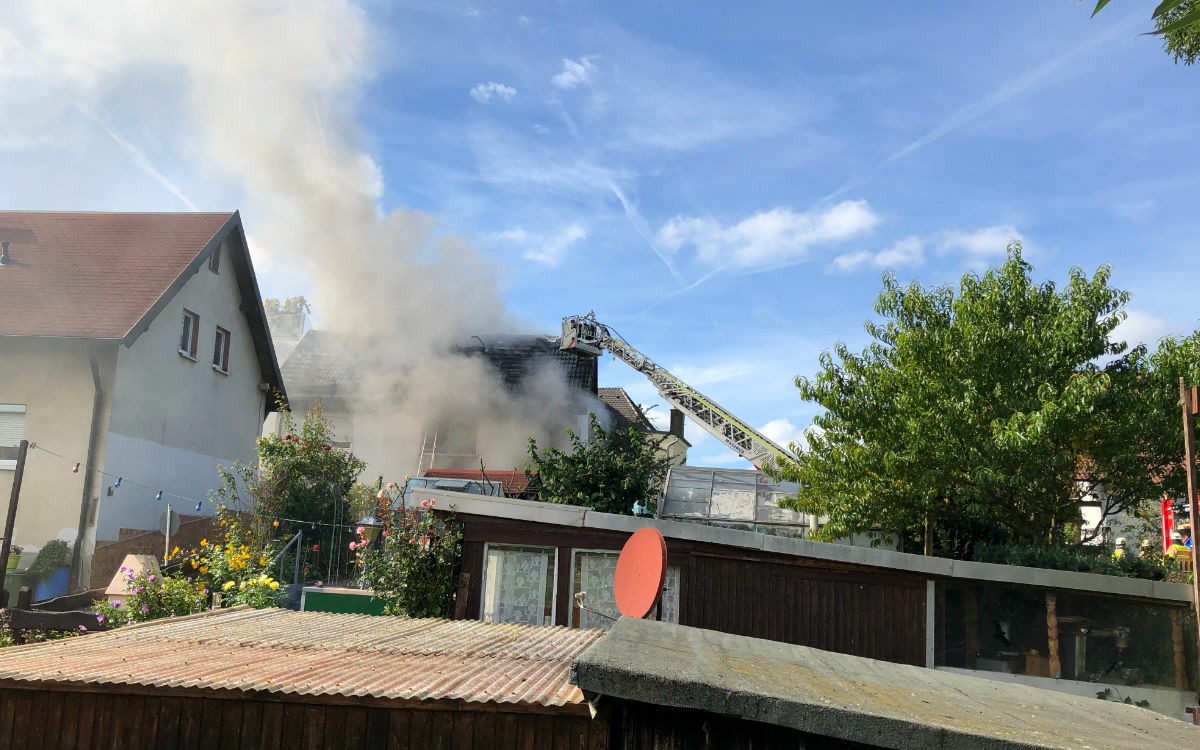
(973, 111)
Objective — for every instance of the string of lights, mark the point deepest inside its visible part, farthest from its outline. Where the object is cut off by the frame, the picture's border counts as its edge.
(161, 493)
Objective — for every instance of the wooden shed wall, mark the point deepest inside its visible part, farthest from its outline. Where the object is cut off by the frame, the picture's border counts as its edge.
(50, 719)
(832, 606)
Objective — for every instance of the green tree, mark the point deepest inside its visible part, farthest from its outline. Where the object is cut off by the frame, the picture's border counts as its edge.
(1178, 23)
(612, 472)
(986, 413)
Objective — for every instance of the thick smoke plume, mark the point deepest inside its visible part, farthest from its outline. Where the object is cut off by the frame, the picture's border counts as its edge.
(266, 93)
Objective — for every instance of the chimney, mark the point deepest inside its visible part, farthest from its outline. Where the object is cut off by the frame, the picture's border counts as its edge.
(5, 258)
(676, 423)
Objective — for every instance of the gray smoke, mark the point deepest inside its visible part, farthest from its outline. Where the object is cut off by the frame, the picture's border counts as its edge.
(265, 93)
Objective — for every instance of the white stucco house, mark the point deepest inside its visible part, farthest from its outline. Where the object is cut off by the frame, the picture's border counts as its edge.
(133, 345)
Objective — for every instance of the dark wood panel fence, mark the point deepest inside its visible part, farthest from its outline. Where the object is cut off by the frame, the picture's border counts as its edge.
(50, 719)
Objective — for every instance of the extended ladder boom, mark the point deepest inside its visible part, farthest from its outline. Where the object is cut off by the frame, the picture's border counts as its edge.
(584, 333)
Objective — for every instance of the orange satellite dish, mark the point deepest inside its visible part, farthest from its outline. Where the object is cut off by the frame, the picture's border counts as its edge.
(641, 571)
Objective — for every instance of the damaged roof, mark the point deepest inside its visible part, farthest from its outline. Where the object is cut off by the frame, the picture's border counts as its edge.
(318, 654)
(323, 363)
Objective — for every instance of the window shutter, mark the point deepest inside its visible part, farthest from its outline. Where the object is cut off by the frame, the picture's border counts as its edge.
(12, 425)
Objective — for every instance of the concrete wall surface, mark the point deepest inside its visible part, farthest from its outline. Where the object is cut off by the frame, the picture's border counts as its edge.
(52, 377)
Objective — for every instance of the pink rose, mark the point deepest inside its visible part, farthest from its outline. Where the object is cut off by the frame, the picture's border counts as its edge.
(353, 545)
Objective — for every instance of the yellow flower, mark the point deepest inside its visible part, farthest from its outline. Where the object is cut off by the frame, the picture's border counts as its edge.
(203, 569)
(274, 584)
(204, 542)
(262, 560)
(228, 585)
(194, 565)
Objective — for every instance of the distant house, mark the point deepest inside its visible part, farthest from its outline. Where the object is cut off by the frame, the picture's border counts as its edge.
(134, 352)
(324, 366)
(626, 413)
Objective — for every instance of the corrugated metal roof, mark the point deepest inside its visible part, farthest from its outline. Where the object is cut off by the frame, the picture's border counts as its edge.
(315, 653)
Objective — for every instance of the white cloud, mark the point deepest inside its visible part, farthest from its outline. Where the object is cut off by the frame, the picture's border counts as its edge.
(909, 251)
(783, 432)
(485, 92)
(574, 73)
(523, 20)
(548, 251)
(1139, 328)
(771, 237)
(979, 244)
(540, 129)
(702, 376)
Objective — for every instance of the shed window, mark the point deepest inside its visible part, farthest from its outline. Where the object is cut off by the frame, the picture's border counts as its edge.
(189, 334)
(593, 574)
(518, 585)
(221, 351)
(12, 430)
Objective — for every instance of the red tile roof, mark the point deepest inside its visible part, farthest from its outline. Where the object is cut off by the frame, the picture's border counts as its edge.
(315, 654)
(515, 482)
(93, 275)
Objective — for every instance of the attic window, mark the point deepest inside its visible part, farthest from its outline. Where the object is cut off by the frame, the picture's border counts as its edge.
(214, 260)
(221, 351)
(189, 334)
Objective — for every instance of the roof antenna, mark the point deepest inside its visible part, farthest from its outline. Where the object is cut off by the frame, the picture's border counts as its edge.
(5, 258)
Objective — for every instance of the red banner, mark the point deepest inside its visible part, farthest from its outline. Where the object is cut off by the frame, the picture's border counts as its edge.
(1168, 523)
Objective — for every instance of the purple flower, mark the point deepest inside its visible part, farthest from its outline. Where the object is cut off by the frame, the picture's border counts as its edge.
(122, 568)
(189, 579)
(151, 576)
(145, 608)
(82, 629)
(115, 602)
(99, 618)
(205, 591)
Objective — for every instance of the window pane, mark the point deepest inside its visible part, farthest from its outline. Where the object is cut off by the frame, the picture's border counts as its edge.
(594, 574)
(218, 347)
(518, 585)
(185, 338)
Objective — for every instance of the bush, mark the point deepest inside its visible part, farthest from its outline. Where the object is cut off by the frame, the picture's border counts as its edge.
(52, 556)
(236, 568)
(1080, 559)
(152, 596)
(413, 566)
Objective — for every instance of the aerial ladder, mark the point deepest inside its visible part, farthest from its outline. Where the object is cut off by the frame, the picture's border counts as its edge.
(583, 333)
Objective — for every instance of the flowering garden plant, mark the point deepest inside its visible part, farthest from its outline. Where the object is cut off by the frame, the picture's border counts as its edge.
(151, 595)
(237, 566)
(413, 565)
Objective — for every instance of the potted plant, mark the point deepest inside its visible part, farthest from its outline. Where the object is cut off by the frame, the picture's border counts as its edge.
(49, 570)
(14, 556)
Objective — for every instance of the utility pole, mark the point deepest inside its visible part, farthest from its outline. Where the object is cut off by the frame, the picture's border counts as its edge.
(11, 521)
(1190, 397)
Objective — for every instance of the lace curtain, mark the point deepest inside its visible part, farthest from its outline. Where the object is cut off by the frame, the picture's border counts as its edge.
(517, 585)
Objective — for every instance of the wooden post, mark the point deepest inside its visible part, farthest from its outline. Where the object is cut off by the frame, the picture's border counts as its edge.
(1190, 407)
(1052, 634)
(1177, 645)
(11, 520)
(971, 626)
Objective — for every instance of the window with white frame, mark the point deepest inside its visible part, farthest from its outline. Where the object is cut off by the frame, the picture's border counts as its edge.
(221, 351)
(12, 431)
(189, 334)
(518, 584)
(593, 572)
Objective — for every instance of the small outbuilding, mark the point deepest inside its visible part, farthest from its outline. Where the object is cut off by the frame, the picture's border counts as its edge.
(670, 686)
(274, 678)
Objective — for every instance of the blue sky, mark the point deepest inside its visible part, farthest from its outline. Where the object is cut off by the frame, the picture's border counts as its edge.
(722, 185)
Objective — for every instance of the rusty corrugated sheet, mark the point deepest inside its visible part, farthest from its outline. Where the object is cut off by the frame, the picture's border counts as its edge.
(313, 653)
